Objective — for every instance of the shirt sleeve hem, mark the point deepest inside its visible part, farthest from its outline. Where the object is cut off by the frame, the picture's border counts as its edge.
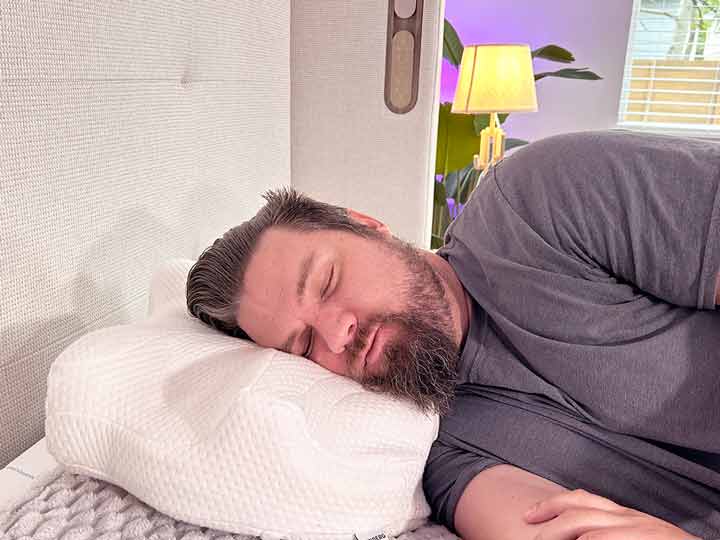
(458, 489)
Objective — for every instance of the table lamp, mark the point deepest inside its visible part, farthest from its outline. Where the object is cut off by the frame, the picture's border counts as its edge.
(494, 79)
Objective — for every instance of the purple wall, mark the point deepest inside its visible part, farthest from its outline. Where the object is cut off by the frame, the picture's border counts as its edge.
(595, 31)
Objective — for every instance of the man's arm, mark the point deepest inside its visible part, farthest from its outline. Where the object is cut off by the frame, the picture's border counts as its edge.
(508, 503)
(494, 503)
(580, 515)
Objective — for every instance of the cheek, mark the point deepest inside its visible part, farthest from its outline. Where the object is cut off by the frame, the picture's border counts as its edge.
(375, 283)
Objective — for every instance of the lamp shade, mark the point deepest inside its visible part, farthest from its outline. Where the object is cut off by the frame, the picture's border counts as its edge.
(495, 78)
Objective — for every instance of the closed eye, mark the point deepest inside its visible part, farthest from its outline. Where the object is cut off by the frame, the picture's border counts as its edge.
(309, 347)
(311, 338)
(329, 281)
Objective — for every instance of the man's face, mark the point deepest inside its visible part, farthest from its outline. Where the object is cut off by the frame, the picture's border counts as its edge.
(372, 309)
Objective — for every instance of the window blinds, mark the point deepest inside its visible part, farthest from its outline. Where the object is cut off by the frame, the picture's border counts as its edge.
(672, 72)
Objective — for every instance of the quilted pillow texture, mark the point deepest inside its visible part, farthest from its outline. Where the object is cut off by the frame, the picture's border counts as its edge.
(221, 433)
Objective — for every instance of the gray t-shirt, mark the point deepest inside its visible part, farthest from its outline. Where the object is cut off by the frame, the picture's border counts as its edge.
(593, 354)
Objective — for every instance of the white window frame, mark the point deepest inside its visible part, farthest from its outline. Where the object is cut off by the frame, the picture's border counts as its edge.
(685, 130)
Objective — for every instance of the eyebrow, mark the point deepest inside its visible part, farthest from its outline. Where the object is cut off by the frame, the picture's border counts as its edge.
(304, 273)
(305, 267)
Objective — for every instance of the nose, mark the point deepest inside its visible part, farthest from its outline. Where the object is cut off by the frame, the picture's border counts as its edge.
(337, 328)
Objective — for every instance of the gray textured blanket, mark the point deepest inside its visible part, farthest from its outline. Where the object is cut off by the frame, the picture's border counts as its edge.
(64, 506)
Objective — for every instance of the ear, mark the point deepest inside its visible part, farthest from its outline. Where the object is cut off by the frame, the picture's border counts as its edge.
(368, 221)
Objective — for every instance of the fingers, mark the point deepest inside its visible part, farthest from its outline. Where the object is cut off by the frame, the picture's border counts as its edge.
(579, 523)
(625, 533)
(579, 515)
(579, 498)
(611, 533)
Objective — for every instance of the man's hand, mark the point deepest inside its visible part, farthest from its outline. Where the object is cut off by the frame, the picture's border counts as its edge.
(579, 515)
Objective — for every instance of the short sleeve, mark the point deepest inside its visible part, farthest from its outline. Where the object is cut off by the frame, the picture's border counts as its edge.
(643, 208)
(447, 473)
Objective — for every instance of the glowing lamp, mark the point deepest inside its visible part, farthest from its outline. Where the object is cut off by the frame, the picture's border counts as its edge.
(494, 79)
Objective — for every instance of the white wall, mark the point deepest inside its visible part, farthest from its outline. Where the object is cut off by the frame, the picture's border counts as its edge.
(347, 147)
(596, 31)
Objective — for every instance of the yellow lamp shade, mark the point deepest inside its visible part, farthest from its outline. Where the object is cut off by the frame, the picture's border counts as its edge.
(495, 78)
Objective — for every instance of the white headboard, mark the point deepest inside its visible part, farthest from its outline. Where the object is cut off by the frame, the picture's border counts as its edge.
(132, 132)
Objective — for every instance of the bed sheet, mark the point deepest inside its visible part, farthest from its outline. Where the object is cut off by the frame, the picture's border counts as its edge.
(18, 475)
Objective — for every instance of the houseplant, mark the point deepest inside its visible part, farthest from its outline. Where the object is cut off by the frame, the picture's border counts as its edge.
(459, 136)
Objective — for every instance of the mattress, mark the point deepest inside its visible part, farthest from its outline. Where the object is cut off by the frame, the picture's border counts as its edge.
(19, 475)
(39, 500)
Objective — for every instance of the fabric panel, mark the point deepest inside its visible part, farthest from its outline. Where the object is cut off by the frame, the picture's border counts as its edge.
(129, 133)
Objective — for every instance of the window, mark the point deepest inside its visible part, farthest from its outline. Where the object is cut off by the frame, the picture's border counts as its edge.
(672, 73)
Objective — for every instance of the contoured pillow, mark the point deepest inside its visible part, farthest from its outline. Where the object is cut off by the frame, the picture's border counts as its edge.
(219, 432)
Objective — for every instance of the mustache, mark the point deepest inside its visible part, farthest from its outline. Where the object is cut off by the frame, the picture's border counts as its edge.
(423, 370)
(362, 335)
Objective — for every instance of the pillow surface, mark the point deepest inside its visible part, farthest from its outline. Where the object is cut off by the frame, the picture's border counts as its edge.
(219, 432)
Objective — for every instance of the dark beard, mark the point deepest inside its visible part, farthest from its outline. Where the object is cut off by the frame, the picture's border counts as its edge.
(421, 365)
(421, 368)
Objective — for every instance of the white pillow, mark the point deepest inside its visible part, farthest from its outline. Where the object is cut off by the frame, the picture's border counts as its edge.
(219, 432)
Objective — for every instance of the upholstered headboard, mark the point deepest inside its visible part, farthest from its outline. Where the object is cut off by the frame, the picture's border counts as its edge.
(132, 132)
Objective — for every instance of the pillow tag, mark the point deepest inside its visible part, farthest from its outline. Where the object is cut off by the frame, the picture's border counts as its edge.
(374, 535)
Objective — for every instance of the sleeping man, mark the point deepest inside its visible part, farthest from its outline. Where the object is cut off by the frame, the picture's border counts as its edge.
(566, 332)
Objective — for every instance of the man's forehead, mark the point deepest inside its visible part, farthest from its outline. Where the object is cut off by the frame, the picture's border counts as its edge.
(269, 288)
(277, 253)
(271, 268)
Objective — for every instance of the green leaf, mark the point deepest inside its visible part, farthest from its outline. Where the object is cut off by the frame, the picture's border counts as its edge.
(459, 184)
(451, 184)
(570, 73)
(468, 177)
(481, 121)
(452, 46)
(457, 141)
(554, 53)
(514, 143)
(441, 216)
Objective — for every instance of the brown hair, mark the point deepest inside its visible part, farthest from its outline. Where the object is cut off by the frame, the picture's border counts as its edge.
(215, 281)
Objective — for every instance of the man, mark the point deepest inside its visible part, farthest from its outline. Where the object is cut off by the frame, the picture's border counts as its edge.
(566, 332)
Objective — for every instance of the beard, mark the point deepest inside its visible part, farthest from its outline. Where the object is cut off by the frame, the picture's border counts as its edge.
(419, 365)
